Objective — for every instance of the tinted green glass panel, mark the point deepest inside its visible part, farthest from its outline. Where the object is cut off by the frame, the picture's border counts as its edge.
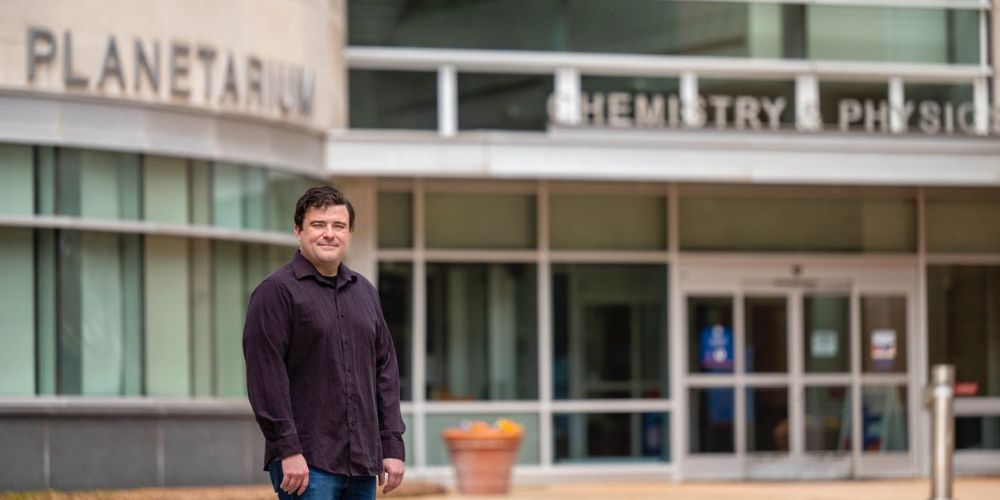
(884, 418)
(254, 198)
(283, 191)
(229, 302)
(98, 184)
(963, 221)
(227, 195)
(17, 180)
(584, 222)
(828, 419)
(480, 220)
(168, 317)
(395, 290)
(395, 220)
(202, 308)
(393, 99)
(471, 24)
(201, 192)
(17, 308)
(437, 452)
(921, 35)
(46, 288)
(165, 191)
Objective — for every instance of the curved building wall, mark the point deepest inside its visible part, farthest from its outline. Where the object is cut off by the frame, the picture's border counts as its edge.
(151, 154)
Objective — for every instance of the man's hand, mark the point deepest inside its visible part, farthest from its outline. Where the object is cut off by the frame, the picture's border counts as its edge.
(393, 468)
(296, 474)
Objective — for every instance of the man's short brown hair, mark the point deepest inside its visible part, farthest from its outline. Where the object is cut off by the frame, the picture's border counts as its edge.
(321, 197)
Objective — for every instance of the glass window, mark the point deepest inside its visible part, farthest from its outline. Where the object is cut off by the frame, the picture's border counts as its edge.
(883, 412)
(202, 307)
(748, 104)
(850, 106)
(481, 332)
(229, 299)
(977, 433)
(614, 437)
(480, 220)
(168, 316)
(17, 308)
(593, 222)
(883, 325)
(100, 314)
(766, 324)
(255, 198)
(963, 220)
(828, 419)
(610, 331)
(46, 314)
(710, 425)
(283, 192)
(503, 101)
(437, 451)
(826, 326)
(930, 104)
(469, 24)
(710, 334)
(395, 290)
(45, 180)
(767, 419)
(98, 184)
(870, 33)
(395, 220)
(227, 195)
(17, 180)
(201, 192)
(963, 319)
(815, 221)
(393, 99)
(165, 190)
(657, 27)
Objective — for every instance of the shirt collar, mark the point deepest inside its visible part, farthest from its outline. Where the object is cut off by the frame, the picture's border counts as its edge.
(302, 268)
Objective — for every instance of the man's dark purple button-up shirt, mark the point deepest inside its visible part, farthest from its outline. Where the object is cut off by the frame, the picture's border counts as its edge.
(321, 370)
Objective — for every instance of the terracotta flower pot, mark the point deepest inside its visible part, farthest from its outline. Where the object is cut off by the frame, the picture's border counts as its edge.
(482, 462)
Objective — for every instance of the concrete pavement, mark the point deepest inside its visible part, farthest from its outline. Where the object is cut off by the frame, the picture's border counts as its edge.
(915, 489)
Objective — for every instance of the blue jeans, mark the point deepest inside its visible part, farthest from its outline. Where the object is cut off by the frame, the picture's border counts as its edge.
(326, 486)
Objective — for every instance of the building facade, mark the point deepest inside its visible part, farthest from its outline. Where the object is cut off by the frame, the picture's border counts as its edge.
(677, 239)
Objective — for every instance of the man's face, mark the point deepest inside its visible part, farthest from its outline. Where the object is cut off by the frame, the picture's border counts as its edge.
(324, 236)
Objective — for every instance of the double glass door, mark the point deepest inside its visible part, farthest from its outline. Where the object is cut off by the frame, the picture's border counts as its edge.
(798, 377)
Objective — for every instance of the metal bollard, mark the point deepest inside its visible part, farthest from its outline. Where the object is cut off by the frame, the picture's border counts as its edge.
(941, 399)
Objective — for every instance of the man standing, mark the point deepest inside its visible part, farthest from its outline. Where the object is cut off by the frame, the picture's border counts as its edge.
(321, 367)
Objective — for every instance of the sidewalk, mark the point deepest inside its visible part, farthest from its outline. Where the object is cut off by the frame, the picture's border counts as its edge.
(915, 489)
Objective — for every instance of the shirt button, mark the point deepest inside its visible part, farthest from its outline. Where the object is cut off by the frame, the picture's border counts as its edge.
(341, 315)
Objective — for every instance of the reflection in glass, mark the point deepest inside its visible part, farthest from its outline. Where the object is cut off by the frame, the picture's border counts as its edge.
(977, 433)
(883, 325)
(711, 420)
(610, 334)
(964, 325)
(503, 101)
(98, 184)
(828, 419)
(883, 413)
(481, 332)
(595, 437)
(710, 334)
(395, 290)
(767, 419)
(437, 452)
(393, 99)
(826, 326)
(766, 326)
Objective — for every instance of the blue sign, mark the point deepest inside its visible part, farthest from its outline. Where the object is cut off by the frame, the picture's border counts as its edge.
(716, 348)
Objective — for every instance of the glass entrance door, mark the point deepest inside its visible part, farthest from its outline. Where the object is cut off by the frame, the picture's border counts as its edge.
(779, 370)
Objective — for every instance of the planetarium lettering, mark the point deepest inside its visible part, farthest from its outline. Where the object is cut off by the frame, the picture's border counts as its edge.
(625, 110)
(167, 70)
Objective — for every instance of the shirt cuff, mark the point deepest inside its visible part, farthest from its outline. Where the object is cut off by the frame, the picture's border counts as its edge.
(287, 446)
(392, 447)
